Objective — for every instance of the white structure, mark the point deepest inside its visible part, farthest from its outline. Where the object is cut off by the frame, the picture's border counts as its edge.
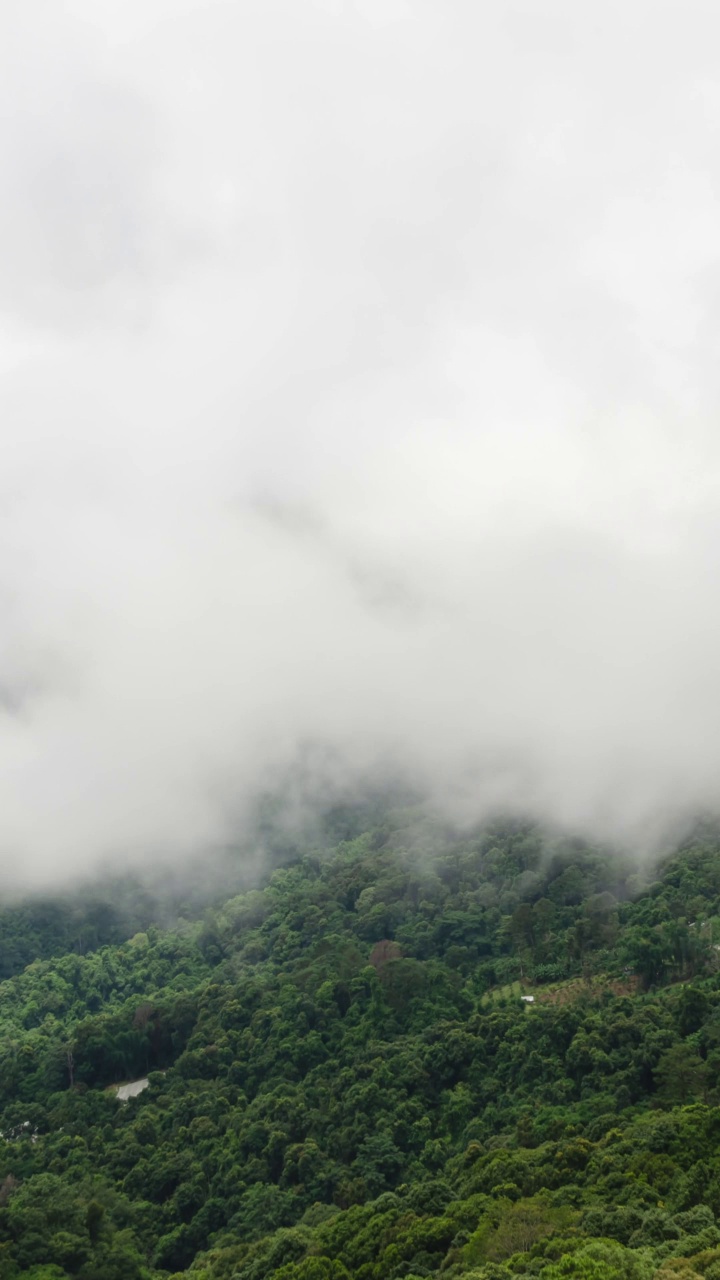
(528, 999)
(125, 1091)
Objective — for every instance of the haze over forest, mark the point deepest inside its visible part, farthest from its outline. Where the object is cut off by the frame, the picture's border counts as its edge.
(359, 402)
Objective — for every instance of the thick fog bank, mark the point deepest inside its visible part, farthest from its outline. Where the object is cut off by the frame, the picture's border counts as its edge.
(358, 387)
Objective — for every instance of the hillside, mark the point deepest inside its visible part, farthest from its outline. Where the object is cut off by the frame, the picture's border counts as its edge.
(345, 1079)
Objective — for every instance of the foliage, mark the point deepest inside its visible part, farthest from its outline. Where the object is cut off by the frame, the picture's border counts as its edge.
(344, 1079)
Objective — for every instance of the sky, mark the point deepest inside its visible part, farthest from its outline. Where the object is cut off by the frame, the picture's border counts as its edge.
(359, 392)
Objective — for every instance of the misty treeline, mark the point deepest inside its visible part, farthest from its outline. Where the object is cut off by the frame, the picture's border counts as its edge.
(347, 1078)
(108, 909)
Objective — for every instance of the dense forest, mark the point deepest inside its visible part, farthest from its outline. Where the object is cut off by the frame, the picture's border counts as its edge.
(403, 1053)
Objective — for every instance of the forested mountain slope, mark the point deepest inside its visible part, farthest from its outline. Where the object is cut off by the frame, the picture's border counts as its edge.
(346, 1081)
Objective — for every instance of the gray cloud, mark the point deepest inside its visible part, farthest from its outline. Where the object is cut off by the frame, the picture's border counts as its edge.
(358, 387)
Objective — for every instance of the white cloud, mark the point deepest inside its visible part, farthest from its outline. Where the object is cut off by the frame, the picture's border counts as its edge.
(357, 384)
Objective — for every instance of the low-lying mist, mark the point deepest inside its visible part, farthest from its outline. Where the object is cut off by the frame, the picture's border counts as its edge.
(358, 406)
